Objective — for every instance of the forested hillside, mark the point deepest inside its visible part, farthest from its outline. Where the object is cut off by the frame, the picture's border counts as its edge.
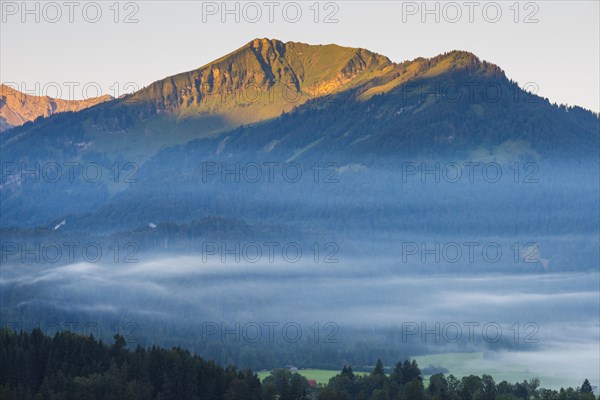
(68, 366)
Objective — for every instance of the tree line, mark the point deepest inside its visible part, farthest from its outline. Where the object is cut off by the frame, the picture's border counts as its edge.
(35, 366)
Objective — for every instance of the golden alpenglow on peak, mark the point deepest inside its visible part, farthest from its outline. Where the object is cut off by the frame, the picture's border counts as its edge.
(17, 108)
(255, 83)
(267, 77)
(265, 42)
(262, 79)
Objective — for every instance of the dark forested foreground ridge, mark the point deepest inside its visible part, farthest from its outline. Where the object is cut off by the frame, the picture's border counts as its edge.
(70, 366)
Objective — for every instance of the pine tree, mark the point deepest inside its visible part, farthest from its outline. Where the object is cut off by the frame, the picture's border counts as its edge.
(379, 370)
(586, 387)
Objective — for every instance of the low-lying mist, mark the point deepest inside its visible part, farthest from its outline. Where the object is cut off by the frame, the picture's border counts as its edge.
(527, 323)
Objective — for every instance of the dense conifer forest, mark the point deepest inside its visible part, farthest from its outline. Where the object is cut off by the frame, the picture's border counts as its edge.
(69, 366)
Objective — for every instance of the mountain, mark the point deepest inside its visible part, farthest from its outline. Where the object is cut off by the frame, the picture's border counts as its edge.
(345, 108)
(257, 82)
(266, 77)
(17, 108)
(262, 79)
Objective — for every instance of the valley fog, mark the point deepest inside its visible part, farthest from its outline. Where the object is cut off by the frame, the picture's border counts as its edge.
(523, 324)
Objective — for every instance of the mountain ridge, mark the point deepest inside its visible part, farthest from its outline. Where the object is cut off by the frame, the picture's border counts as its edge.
(257, 82)
(267, 77)
(373, 118)
(293, 64)
(261, 66)
(17, 108)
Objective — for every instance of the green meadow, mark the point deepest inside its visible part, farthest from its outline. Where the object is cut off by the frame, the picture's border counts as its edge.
(458, 364)
(319, 375)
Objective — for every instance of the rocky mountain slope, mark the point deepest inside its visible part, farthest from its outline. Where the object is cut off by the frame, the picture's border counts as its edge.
(17, 108)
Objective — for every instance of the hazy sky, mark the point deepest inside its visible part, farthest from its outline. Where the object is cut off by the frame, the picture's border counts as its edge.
(554, 44)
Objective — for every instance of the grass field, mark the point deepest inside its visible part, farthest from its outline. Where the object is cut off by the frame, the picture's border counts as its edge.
(458, 364)
(463, 364)
(319, 375)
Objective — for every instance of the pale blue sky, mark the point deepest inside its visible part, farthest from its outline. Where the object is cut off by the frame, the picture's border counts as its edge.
(560, 52)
